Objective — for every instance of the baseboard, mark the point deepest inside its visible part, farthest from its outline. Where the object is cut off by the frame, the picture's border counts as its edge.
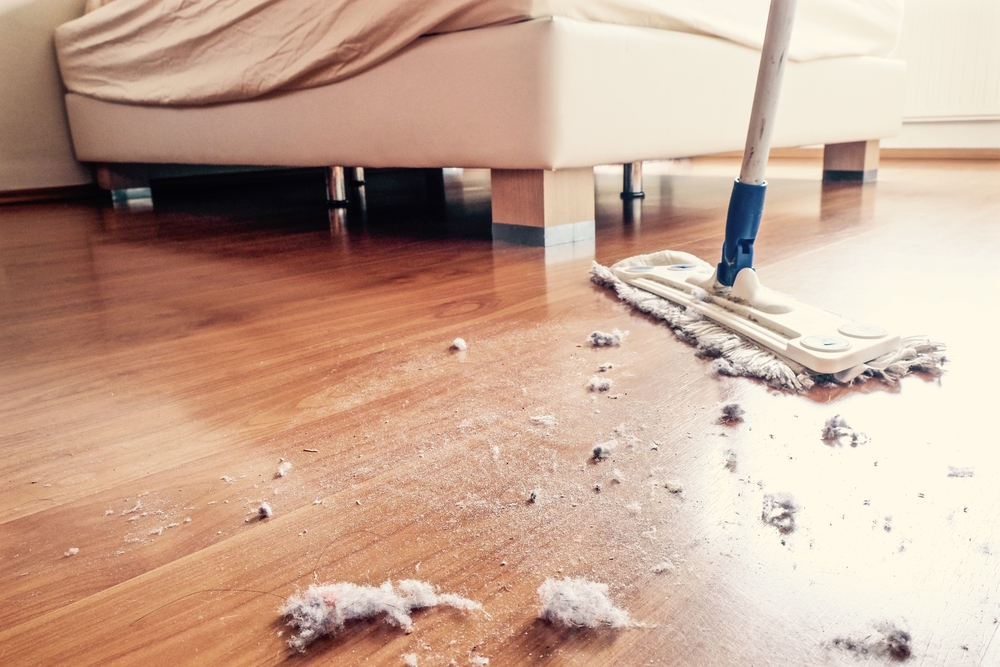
(941, 153)
(816, 152)
(64, 193)
(805, 152)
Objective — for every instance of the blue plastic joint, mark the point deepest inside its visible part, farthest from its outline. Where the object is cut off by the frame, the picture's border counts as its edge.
(746, 206)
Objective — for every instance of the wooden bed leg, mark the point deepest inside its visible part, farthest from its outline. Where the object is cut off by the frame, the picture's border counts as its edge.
(632, 181)
(855, 161)
(539, 207)
(127, 182)
(336, 187)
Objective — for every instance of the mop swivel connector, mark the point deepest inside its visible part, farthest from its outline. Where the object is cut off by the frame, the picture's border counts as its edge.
(746, 206)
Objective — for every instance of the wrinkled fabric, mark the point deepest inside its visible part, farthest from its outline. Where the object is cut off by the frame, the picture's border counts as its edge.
(188, 52)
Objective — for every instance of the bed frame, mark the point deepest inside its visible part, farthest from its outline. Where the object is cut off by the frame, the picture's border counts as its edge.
(539, 103)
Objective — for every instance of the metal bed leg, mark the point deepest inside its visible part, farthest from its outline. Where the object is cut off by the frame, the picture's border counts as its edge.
(336, 187)
(358, 196)
(632, 212)
(632, 181)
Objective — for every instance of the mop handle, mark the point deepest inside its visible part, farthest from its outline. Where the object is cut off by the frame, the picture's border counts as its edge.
(746, 205)
(765, 98)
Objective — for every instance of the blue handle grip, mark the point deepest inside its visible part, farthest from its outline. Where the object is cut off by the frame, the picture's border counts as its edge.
(746, 206)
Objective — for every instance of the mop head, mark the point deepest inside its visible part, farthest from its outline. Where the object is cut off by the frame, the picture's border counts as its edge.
(735, 355)
(324, 609)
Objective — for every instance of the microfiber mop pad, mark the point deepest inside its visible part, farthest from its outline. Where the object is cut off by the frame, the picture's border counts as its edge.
(738, 356)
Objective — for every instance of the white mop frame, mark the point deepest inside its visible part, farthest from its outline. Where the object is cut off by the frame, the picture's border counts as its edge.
(817, 339)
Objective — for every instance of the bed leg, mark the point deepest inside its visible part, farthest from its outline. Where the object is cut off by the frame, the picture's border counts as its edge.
(336, 187)
(539, 207)
(127, 182)
(632, 181)
(856, 161)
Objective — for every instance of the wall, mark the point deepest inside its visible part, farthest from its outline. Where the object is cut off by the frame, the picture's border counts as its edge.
(35, 147)
(952, 51)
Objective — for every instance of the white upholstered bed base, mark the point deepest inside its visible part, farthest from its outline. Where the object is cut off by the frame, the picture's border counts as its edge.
(548, 94)
(544, 94)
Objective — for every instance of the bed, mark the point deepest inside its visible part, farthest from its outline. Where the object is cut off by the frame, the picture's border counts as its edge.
(538, 97)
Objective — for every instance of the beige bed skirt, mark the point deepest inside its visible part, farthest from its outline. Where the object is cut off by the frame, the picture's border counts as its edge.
(545, 94)
(187, 52)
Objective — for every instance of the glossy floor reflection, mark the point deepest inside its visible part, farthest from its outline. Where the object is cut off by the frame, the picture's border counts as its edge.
(159, 366)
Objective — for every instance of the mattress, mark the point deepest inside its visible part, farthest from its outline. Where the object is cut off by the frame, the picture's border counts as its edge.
(544, 94)
(191, 52)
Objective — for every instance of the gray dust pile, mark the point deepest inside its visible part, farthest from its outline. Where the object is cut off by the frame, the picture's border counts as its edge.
(580, 603)
(324, 609)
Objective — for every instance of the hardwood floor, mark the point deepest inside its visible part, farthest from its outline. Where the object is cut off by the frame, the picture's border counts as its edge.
(157, 368)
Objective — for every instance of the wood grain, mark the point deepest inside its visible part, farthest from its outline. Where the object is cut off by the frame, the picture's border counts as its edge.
(158, 367)
(541, 197)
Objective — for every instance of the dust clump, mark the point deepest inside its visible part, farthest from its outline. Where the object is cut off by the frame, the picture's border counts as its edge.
(602, 339)
(265, 511)
(732, 413)
(960, 472)
(410, 659)
(479, 660)
(721, 366)
(580, 603)
(617, 476)
(889, 641)
(284, 469)
(323, 609)
(701, 294)
(779, 511)
(837, 430)
(707, 349)
(459, 344)
(673, 487)
(605, 449)
(665, 566)
(599, 384)
(72, 551)
(134, 509)
(730, 460)
(544, 420)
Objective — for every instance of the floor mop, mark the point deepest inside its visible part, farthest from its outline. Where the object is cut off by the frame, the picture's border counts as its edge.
(725, 311)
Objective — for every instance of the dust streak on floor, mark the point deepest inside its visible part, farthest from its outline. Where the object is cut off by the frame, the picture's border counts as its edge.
(159, 368)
